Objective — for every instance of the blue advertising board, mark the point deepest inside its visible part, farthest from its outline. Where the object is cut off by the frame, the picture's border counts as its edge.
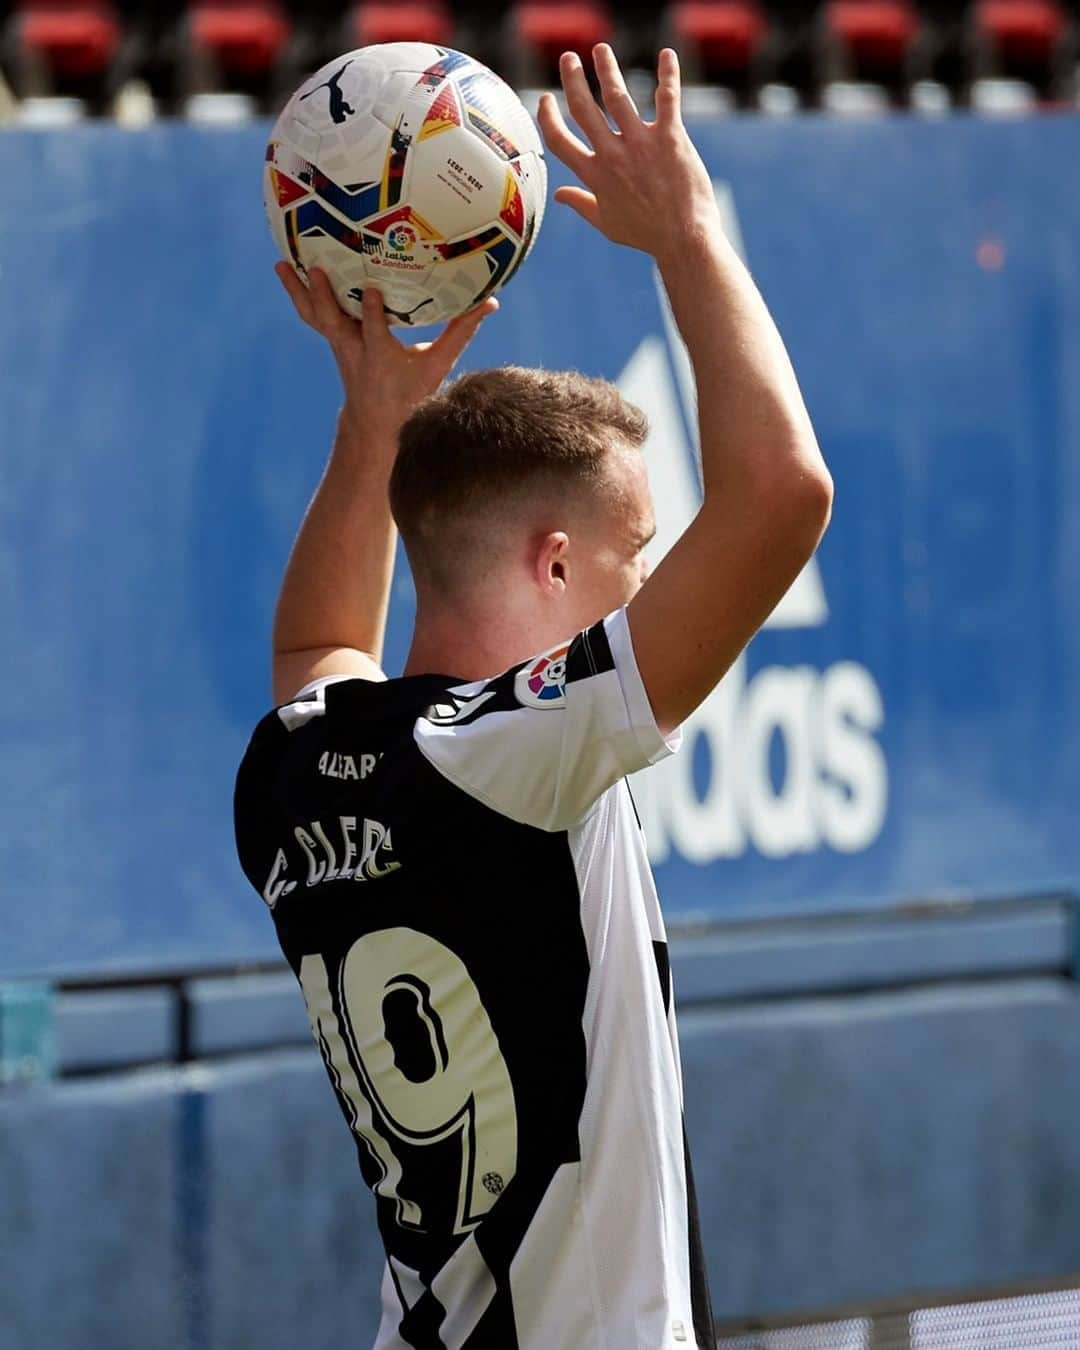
(906, 725)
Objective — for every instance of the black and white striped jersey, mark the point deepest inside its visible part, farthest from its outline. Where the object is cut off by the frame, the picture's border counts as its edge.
(459, 881)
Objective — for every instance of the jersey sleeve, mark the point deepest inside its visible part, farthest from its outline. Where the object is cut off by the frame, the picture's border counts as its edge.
(542, 742)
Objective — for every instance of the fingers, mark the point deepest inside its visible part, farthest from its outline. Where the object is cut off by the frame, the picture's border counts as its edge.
(296, 291)
(583, 107)
(668, 90)
(376, 329)
(560, 140)
(318, 306)
(620, 106)
(459, 332)
(316, 302)
(584, 203)
(330, 319)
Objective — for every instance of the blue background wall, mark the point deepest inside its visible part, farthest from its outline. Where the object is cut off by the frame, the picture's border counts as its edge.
(165, 419)
(883, 1117)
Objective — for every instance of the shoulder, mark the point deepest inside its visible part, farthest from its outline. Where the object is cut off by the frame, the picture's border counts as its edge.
(543, 740)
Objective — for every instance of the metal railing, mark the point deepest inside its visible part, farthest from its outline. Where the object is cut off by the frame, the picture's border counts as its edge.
(1037, 1319)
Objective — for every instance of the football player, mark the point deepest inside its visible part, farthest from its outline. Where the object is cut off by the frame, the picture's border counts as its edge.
(452, 857)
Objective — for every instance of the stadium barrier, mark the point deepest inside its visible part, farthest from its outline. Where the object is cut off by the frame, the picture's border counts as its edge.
(870, 1135)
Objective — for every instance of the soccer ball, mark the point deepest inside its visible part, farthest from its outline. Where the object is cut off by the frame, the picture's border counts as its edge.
(408, 167)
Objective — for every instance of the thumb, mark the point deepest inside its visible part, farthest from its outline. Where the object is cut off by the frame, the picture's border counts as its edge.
(584, 203)
(458, 333)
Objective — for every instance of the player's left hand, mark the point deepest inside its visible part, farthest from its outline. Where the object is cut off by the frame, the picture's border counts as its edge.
(383, 379)
(643, 184)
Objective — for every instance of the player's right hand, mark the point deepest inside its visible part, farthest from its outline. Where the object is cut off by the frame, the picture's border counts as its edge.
(644, 183)
(383, 379)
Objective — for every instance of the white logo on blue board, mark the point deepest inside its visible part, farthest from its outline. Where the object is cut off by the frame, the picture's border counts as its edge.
(834, 786)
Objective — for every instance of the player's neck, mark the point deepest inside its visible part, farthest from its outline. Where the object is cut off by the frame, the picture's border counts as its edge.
(475, 647)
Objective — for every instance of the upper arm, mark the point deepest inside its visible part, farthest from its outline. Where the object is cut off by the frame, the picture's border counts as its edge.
(719, 583)
(542, 742)
(292, 670)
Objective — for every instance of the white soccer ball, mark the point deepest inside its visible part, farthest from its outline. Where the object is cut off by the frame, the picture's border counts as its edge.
(409, 167)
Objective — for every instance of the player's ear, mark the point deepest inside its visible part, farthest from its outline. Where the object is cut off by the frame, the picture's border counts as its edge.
(551, 567)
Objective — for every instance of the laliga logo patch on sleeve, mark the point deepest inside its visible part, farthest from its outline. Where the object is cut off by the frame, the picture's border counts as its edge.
(542, 683)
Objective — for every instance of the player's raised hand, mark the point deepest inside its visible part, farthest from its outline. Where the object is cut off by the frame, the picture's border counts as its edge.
(383, 379)
(644, 183)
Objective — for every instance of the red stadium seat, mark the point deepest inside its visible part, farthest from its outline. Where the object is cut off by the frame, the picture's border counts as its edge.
(874, 32)
(244, 37)
(1021, 30)
(723, 34)
(74, 37)
(561, 26)
(402, 21)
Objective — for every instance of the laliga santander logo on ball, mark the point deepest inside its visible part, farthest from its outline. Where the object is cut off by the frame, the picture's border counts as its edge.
(542, 684)
(401, 239)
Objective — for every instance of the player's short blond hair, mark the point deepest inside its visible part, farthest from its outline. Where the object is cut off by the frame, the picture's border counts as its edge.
(495, 434)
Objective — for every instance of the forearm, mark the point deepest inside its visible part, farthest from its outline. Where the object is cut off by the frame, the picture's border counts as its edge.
(754, 424)
(336, 587)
